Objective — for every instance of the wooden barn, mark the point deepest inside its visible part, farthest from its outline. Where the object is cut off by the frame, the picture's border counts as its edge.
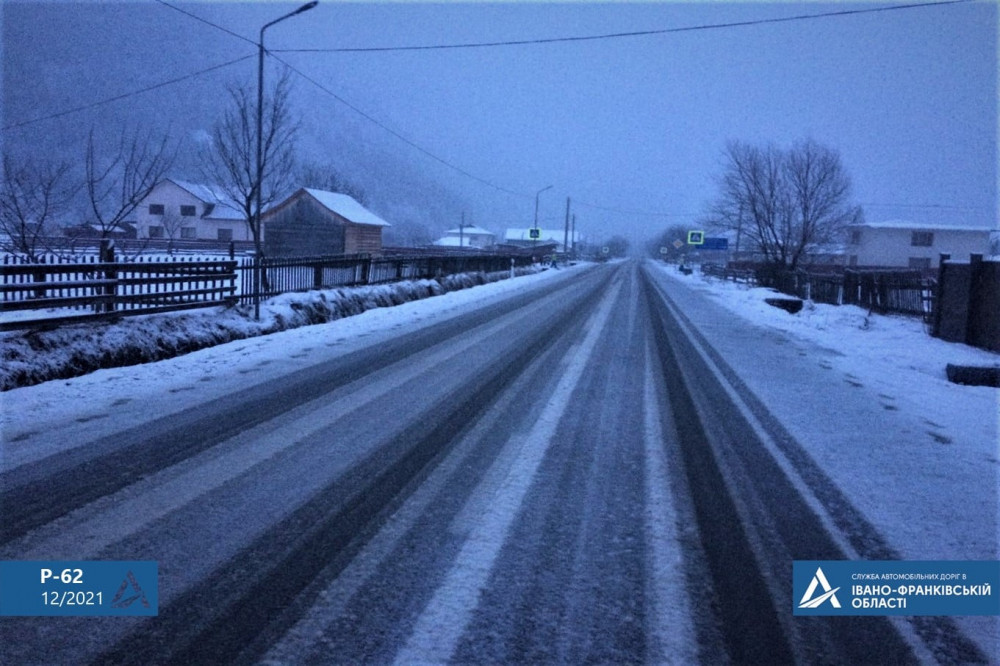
(315, 222)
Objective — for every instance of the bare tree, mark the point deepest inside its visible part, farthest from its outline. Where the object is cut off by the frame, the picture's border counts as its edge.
(782, 203)
(820, 189)
(231, 161)
(31, 198)
(117, 185)
(171, 223)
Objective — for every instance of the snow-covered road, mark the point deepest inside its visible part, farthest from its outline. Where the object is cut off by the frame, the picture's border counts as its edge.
(597, 464)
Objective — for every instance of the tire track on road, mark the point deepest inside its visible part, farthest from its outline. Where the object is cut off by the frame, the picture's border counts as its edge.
(39, 492)
(230, 616)
(787, 526)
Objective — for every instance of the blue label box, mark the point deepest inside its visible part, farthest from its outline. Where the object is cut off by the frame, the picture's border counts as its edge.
(84, 588)
(932, 587)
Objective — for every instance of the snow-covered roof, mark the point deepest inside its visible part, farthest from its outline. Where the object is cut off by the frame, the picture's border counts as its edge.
(347, 207)
(917, 226)
(454, 241)
(470, 231)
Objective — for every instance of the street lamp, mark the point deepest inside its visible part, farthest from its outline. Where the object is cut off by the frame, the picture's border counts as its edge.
(534, 232)
(260, 121)
(536, 203)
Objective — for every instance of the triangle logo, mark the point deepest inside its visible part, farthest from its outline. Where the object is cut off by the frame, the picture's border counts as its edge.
(829, 593)
(121, 601)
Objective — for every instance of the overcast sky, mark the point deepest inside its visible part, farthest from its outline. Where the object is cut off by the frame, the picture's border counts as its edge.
(908, 97)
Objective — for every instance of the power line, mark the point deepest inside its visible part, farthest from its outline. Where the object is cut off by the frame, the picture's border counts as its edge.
(348, 104)
(461, 46)
(206, 22)
(621, 35)
(122, 96)
(623, 211)
(397, 134)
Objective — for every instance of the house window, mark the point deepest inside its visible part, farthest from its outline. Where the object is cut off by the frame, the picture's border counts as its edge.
(855, 237)
(225, 234)
(156, 209)
(189, 233)
(155, 232)
(189, 211)
(922, 239)
(920, 262)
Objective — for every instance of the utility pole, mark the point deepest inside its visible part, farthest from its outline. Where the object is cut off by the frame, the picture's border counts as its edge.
(574, 235)
(739, 232)
(566, 230)
(461, 231)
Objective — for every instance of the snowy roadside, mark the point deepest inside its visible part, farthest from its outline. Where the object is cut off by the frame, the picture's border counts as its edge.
(71, 351)
(870, 400)
(89, 406)
(893, 352)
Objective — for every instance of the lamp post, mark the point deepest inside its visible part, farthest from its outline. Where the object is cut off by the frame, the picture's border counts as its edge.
(535, 234)
(260, 158)
(461, 231)
(536, 203)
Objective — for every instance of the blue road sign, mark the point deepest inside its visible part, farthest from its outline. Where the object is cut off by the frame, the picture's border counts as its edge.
(715, 244)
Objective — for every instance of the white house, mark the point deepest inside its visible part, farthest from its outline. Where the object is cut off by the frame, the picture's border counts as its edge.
(178, 210)
(467, 236)
(524, 238)
(901, 243)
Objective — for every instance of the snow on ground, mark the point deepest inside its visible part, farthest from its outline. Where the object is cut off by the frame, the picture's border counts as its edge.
(918, 455)
(76, 349)
(86, 407)
(894, 352)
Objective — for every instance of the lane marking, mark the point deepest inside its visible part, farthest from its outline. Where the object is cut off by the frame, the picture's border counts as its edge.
(443, 621)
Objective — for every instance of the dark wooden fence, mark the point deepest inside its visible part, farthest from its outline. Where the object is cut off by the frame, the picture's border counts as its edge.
(969, 302)
(93, 287)
(87, 288)
(281, 275)
(882, 291)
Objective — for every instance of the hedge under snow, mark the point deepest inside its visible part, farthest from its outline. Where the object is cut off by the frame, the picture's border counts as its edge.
(70, 351)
